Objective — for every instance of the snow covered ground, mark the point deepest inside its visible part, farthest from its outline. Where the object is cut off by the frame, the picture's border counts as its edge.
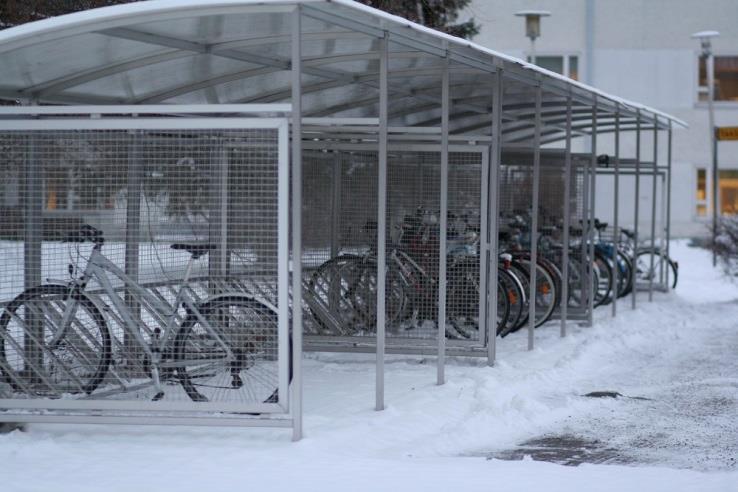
(678, 356)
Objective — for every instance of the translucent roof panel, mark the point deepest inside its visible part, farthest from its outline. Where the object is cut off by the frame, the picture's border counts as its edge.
(236, 51)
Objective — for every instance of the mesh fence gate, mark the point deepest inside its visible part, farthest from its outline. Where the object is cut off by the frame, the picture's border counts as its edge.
(340, 235)
(144, 268)
(515, 189)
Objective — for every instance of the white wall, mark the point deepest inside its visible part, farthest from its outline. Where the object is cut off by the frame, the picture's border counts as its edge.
(643, 52)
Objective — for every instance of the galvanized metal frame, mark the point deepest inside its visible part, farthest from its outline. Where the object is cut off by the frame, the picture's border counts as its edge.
(443, 222)
(653, 208)
(534, 219)
(28, 119)
(567, 216)
(382, 219)
(616, 217)
(636, 205)
(668, 201)
(297, 329)
(590, 234)
(493, 205)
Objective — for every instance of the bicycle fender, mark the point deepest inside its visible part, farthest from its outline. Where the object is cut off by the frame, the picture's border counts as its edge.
(242, 295)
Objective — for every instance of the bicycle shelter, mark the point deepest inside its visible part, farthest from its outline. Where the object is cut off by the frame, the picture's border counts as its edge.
(283, 147)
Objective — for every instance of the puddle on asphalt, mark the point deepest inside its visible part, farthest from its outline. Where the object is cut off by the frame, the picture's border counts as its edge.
(566, 450)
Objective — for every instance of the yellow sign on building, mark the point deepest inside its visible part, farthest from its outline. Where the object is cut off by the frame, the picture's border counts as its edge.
(727, 133)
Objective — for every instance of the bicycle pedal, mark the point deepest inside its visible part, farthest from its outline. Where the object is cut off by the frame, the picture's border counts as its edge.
(236, 381)
(158, 396)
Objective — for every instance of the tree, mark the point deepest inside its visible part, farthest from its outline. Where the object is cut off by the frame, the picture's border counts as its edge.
(15, 12)
(726, 243)
(436, 14)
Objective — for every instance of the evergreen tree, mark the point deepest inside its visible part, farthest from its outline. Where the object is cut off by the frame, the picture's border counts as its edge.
(15, 12)
(436, 14)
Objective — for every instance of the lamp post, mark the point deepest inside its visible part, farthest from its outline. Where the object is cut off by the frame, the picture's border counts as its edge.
(533, 27)
(705, 38)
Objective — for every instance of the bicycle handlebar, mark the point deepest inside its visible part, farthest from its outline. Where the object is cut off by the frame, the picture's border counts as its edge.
(86, 233)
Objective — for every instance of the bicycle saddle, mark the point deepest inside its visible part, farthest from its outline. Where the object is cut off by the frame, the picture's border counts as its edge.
(600, 226)
(628, 233)
(196, 250)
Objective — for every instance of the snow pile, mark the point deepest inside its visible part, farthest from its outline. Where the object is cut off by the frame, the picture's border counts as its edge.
(677, 355)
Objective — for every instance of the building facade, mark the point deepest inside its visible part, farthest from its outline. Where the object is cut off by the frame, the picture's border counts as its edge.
(641, 50)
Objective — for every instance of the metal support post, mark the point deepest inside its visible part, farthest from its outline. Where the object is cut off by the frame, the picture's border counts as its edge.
(567, 205)
(33, 204)
(443, 223)
(534, 218)
(715, 201)
(710, 66)
(493, 216)
(296, 401)
(616, 217)
(662, 231)
(584, 246)
(653, 204)
(592, 289)
(382, 216)
(133, 231)
(668, 202)
(634, 293)
(336, 206)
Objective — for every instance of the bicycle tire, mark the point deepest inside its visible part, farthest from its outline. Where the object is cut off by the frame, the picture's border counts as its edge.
(516, 295)
(328, 287)
(673, 266)
(603, 267)
(204, 369)
(625, 274)
(545, 294)
(463, 300)
(86, 344)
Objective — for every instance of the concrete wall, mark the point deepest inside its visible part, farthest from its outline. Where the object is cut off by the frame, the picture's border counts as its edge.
(641, 50)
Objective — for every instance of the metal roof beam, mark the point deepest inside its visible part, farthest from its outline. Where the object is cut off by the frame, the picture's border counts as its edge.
(61, 83)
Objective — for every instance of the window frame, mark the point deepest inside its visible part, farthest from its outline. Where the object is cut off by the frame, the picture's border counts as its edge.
(700, 89)
(707, 202)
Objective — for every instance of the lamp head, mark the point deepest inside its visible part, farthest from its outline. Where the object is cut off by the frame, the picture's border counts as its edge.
(705, 38)
(533, 22)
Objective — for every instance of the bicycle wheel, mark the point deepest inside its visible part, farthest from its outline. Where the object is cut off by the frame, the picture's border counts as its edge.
(462, 301)
(516, 300)
(363, 295)
(203, 366)
(329, 295)
(625, 274)
(545, 294)
(39, 356)
(644, 273)
(603, 272)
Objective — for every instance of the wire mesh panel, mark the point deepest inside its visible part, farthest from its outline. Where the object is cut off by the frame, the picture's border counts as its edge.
(516, 185)
(144, 266)
(341, 218)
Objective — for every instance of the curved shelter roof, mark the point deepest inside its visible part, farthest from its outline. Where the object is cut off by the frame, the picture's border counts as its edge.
(238, 51)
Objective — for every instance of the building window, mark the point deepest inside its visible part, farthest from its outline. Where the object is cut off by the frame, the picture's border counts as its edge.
(728, 191)
(726, 79)
(701, 192)
(562, 64)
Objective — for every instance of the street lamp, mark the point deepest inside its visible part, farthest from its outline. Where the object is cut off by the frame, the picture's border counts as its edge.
(705, 38)
(533, 27)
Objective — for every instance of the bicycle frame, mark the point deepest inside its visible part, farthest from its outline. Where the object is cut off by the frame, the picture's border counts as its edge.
(98, 267)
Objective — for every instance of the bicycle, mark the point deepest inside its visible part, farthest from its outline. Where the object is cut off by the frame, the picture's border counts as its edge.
(55, 340)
